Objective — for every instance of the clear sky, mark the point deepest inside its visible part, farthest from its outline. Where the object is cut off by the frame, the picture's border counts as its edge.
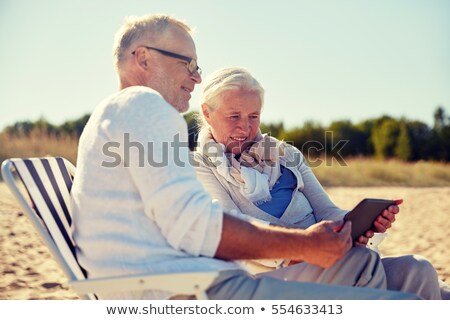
(319, 60)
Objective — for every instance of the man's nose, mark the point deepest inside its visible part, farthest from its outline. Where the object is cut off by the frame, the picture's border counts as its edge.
(196, 77)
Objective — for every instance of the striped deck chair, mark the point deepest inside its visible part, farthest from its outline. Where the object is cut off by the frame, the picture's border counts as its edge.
(42, 187)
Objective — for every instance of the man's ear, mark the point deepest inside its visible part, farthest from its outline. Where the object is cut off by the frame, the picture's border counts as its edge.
(142, 57)
(205, 112)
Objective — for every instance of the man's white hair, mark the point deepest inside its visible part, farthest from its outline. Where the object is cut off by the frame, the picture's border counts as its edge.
(136, 29)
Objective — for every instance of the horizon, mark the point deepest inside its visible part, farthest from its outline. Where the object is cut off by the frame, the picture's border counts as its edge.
(321, 62)
(325, 125)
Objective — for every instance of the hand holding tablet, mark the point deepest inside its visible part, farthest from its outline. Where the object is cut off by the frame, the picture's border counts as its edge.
(365, 213)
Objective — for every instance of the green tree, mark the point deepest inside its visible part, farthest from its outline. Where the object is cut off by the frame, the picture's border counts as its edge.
(384, 137)
(275, 130)
(356, 137)
(403, 146)
(440, 120)
(74, 127)
(420, 136)
(310, 139)
(21, 128)
(365, 127)
(441, 134)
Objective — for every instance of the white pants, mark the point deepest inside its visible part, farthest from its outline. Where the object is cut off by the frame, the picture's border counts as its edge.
(362, 267)
(242, 286)
(415, 274)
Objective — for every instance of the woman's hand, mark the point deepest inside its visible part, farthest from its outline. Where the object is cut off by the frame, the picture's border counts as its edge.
(383, 222)
(364, 239)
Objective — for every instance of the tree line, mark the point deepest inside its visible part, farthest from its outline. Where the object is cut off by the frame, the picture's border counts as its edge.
(383, 138)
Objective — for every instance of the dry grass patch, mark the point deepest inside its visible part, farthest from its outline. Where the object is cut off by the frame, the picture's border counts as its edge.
(369, 172)
(38, 145)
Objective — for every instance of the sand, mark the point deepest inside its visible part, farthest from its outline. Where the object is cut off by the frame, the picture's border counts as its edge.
(29, 272)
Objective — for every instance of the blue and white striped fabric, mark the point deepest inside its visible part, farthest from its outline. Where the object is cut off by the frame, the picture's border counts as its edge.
(48, 182)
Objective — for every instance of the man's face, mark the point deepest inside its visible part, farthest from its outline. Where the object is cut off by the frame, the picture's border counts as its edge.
(170, 76)
(235, 121)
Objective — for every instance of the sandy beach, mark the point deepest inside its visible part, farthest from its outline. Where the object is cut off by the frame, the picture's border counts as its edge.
(29, 272)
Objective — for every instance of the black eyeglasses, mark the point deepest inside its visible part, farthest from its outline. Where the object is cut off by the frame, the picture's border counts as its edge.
(191, 62)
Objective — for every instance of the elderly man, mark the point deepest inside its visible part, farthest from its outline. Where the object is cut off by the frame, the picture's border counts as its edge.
(138, 207)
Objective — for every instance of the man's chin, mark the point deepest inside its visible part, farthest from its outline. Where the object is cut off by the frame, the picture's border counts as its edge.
(181, 106)
(184, 109)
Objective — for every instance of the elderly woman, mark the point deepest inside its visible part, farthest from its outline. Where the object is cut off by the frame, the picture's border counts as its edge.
(260, 176)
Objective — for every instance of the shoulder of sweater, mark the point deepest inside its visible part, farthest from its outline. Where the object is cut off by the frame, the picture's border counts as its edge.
(139, 96)
(291, 151)
(139, 102)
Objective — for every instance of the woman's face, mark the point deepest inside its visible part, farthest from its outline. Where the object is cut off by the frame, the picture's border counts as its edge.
(235, 121)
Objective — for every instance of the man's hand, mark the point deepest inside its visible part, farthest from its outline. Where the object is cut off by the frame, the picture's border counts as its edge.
(383, 222)
(321, 244)
(328, 242)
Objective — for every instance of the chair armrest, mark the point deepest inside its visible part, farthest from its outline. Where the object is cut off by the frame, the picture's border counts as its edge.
(192, 283)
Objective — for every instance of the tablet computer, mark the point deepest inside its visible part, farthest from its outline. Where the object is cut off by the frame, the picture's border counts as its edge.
(365, 213)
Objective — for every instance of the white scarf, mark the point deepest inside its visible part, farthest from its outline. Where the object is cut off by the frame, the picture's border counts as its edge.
(255, 172)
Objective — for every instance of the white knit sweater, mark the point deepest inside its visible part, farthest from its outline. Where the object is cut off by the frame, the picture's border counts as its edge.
(138, 206)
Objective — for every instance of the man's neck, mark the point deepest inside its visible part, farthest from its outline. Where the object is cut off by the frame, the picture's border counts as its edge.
(130, 80)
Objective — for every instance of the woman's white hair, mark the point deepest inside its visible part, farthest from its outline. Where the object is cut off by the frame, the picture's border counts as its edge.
(226, 79)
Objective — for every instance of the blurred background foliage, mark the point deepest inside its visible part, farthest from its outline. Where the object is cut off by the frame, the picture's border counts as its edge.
(382, 150)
